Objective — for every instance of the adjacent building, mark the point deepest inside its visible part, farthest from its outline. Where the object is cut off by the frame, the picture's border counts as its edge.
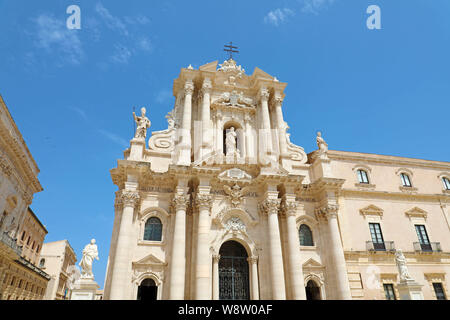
(58, 260)
(222, 205)
(21, 232)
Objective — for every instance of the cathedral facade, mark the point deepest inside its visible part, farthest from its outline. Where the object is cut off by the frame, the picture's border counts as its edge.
(222, 205)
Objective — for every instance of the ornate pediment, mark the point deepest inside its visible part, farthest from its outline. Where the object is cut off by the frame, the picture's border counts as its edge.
(416, 212)
(371, 210)
(230, 66)
(150, 260)
(312, 264)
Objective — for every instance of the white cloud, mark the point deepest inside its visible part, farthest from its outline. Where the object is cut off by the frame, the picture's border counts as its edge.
(145, 44)
(81, 112)
(114, 138)
(113, 23)
(314, 6)
(163, 96)
(277, 16)
(53, 35)
(121, 55)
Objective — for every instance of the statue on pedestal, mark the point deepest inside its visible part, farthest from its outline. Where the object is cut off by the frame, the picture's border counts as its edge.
(230, 142)
(90, 253)
(143, 123)
(401, 265)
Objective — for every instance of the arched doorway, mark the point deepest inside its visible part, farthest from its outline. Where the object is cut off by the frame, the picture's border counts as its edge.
(233, 272)
(312, 291)
(147, 290)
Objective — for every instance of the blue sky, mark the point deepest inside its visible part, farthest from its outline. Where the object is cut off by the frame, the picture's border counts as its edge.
(71, 92)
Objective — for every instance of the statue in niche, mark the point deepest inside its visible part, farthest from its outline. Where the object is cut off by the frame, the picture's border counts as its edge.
(323, 146)
(90, 253)
(230, 142)
(401, 265)
(143, 123)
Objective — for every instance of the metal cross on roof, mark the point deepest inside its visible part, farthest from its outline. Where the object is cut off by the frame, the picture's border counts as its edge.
(229, 49)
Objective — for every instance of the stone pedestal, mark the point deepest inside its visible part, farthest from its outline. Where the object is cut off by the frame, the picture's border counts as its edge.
(137, 147)
(410, 290)
(84, 289)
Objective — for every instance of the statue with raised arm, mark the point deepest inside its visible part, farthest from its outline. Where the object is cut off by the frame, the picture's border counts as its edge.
(323, 146)
(90, 253)
(230, 142)
(401, 265)
(143, 123)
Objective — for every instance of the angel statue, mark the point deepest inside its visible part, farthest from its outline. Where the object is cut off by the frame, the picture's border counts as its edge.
(323, 146)
(235, 193)
(401, 264)
(90, 253)
(143, 123)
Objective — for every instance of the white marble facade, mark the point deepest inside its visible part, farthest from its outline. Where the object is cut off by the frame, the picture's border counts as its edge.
(257, 193)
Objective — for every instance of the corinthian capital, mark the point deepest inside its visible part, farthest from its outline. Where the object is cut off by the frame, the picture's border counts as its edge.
(289, 208)
(189, 87)
(327, 211)
(270, 206)
(203, 200)
(277, 99)
(129, 198)
(264, 94)
(206, 87)
(180, 201)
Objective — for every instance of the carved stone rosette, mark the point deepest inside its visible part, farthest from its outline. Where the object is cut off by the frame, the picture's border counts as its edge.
(270, 206)
(203, 200)
(180, 201)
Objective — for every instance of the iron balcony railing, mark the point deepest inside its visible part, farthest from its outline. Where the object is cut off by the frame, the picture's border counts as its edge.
(380, 246)
(427, 247)
(10, 242)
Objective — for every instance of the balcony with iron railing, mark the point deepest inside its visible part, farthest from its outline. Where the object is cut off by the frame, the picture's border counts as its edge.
(380, 246)
(5, 239)
(427, 247)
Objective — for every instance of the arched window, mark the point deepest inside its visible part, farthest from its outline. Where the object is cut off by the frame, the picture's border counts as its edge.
(446, 182)
(362, 176)
(305, 236)
(312, 291)
(406, 182)
(42, 263)
(153, 229)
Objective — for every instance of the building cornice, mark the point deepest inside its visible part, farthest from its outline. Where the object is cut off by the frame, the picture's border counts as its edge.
(384, 159)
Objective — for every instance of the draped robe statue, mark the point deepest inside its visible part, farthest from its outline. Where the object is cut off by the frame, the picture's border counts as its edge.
(143, 123)
(323, 146)
(401, 265)
(90, 253)
(230, 142)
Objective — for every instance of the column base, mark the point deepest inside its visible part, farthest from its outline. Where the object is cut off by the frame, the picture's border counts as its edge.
(84, 289)
(410, 290)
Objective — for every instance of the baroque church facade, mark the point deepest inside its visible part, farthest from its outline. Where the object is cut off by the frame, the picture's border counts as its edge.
(222, 205)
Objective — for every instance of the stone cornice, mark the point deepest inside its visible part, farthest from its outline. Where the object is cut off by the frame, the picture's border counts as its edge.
(403, 195)
(390, 160)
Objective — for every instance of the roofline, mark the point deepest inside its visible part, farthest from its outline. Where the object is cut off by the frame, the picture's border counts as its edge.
(37, 219)
(373, 157)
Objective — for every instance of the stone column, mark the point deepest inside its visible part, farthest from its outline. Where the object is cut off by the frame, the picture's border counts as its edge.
(202, 270)
(270, 207)
(253, 264)
(342, 290)
(185, 147)
(219, 134)
(296, 282)
(215, 284)
(178, 257)
(206, 119)
(265, 136)
(278, 100)
(120, 279)
(248, 138)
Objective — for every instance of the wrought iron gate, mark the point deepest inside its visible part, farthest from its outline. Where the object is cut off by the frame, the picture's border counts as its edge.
(233, 278)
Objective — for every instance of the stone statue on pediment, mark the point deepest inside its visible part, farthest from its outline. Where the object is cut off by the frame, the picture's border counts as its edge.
(323, 146)
(143, 123)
